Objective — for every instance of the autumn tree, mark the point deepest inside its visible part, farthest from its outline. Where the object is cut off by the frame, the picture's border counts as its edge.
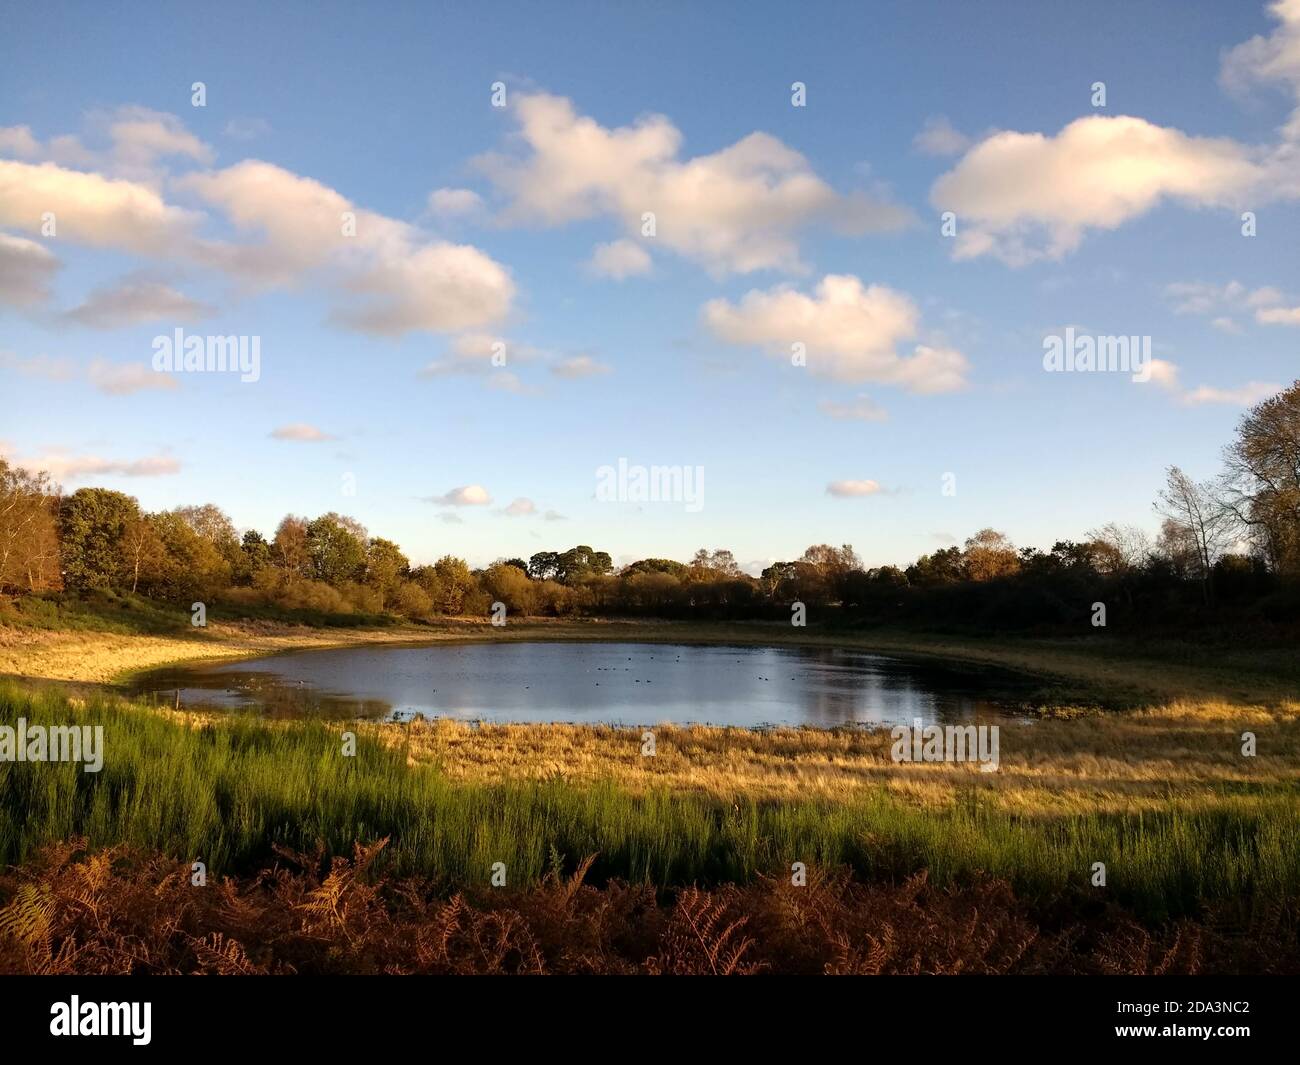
(1261, 487)
(989, 555)
(29, 542)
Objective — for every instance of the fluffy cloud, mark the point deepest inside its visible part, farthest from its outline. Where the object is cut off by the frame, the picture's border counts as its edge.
(469, 495)
(121, 379)
(1274, 59)
(1166, 375)
(449, 203)
(91, 209)
(1278, 315)
(390, 278)
(40, 366)
(938, 137)
(404, 282)
(735, 210)
(1028, 196)
(852, 489)
(521, 507)
(1198, 297)
(851, 333)
(301, 432)
(134, 301)
(137, 140)
(579, 366)
(620, 259)
(66, 468)
(26, 270)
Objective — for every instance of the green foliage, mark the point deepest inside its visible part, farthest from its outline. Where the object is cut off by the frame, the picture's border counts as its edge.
(231, 789)
(93, 526)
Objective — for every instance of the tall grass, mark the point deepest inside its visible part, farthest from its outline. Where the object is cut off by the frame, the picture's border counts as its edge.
(225, 791)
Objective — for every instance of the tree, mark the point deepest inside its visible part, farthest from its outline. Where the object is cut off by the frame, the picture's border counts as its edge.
(945, 566)
(256, 555)
(145, 552)
(211, 522)
(454, 584)
(193, 567)
(544, 566)
(290, 546)
(510, 585)
(582, 563)
(1193, 509)
(386, 568)
(336, 547)
(989, 555)
(1261, 488)
(93, 525)
(1119, 550)
(29, 542)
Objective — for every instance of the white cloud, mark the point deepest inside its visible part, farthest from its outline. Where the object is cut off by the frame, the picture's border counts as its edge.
(92, 209)
(620, 259)
(39, 366)
(302, 432)
(1027, 196)
(121, 379)
(1274, 59)
(1166, 375)
(521, 507)
(469, 495)
(735, 211)
(579, 366)
(136, 300)
(26, 270)
(1278, 315)
(1199, 297)
(852, 489)
(851, 333)
(402, 281)
(66, 468)
(450, 203)
(938, 137)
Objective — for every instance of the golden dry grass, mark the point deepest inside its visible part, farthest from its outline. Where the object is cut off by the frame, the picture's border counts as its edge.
(1097, 762)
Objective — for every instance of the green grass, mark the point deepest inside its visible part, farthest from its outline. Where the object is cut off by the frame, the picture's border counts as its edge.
(225, 792)
(123, 613)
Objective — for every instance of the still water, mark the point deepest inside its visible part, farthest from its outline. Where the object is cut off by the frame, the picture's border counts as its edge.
(614, 683)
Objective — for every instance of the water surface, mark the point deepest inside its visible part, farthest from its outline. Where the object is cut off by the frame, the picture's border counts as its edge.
(615, 683)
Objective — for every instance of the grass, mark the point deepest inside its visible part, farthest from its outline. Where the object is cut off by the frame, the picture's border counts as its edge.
(226, 790)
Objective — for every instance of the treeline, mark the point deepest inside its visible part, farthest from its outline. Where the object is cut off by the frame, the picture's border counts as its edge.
(1227, 548)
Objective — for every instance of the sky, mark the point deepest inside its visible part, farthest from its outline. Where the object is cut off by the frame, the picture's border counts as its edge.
(867, 218)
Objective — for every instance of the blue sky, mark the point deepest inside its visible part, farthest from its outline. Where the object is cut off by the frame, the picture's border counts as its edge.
(1123, 219)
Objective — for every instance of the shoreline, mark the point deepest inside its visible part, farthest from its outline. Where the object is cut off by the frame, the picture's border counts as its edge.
(1086, 670)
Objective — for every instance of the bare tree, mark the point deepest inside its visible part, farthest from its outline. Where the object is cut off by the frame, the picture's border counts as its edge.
(1195, 511)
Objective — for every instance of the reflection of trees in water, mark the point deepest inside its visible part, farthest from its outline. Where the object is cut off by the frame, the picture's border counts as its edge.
(268, 694)
(821, 687)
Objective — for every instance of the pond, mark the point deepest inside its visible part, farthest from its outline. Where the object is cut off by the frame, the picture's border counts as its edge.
(626, 684)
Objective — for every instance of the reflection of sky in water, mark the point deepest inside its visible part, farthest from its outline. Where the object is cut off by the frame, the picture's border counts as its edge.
(617, 683)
